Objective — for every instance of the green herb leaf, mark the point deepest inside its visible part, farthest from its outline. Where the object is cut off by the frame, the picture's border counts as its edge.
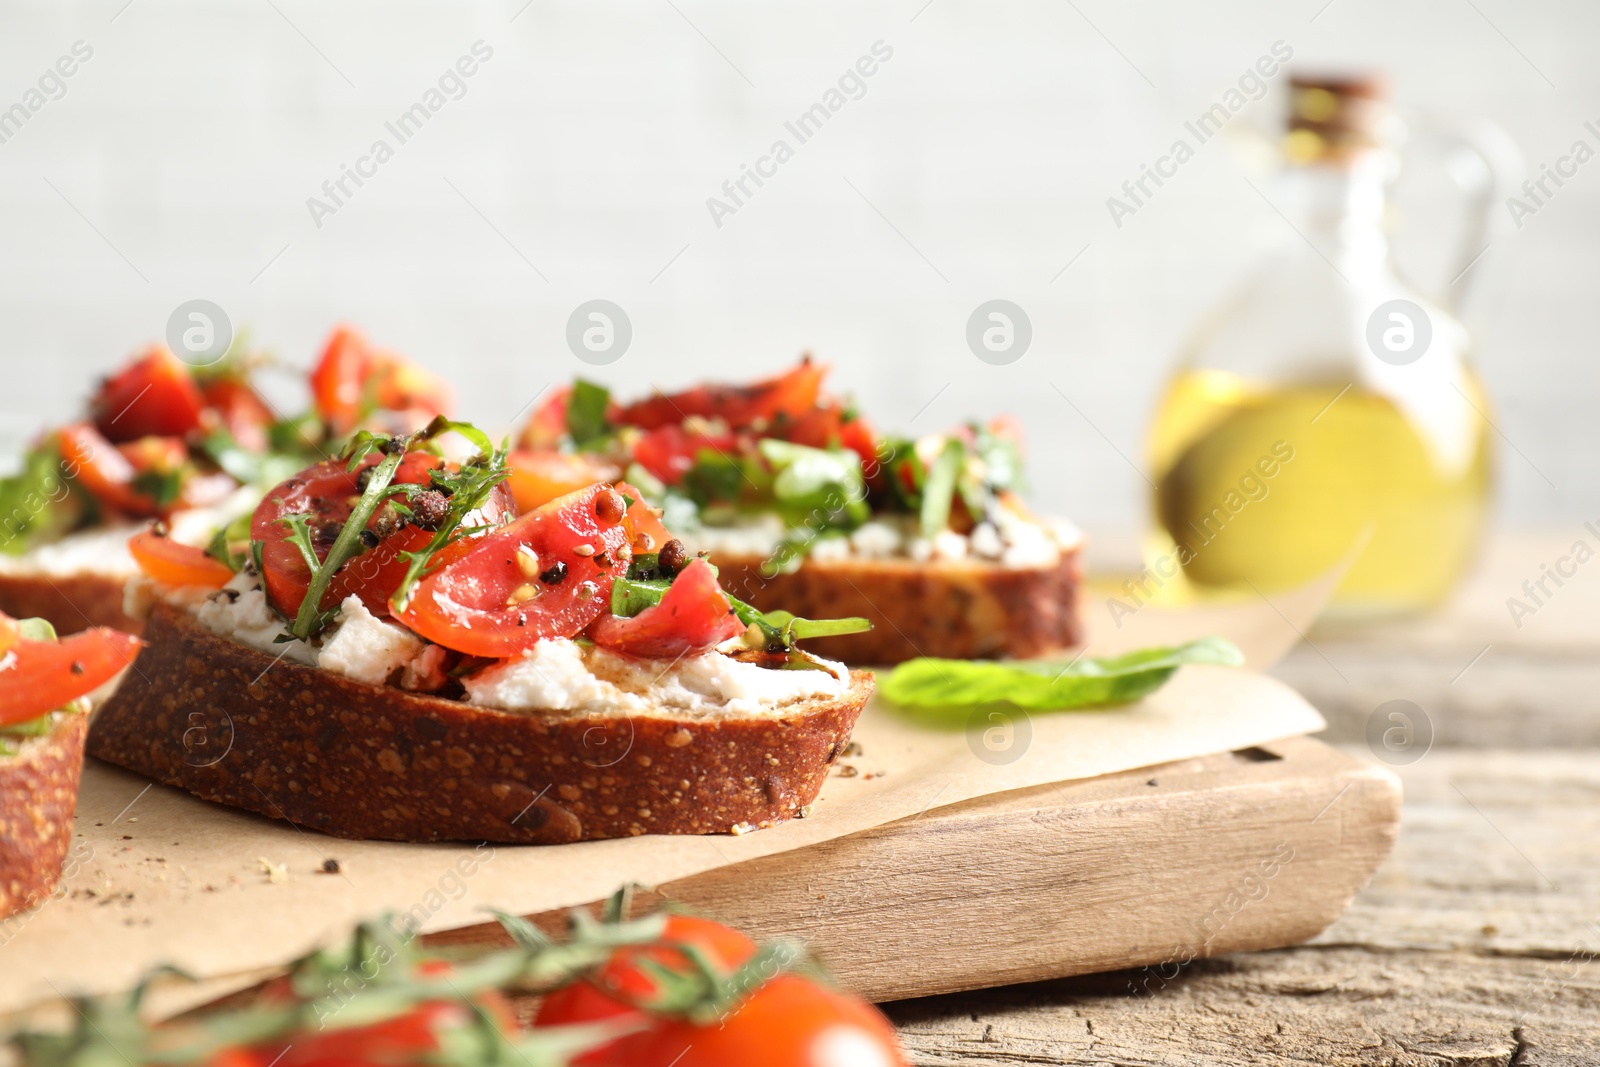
(230, 545)
(311, 619)
(714, 477)
(36, 630)
(586, 412)
(630, 596)
(1048, 686)
(39, 504)
(940, 488)
(817, 488)
(467, 489)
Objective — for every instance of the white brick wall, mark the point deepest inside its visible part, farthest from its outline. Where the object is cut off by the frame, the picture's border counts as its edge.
(593, 137)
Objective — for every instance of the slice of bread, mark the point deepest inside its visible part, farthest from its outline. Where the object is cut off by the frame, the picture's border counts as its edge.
(38, 797)
(229, 724)
(967, 609)
(70, 602)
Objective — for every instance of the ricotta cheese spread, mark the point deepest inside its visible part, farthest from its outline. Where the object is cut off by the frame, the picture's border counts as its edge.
(103, 550)
(1011, 541)
(566, 676)
(554, 675)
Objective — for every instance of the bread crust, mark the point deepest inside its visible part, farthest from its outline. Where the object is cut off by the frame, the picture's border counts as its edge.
(70, 603)
(38, 797)
(354, 760)
(967, 609)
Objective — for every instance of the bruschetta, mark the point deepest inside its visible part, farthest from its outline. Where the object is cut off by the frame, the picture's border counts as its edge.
(191, 447)
(400, 655)
(799, 502)
(45, 687)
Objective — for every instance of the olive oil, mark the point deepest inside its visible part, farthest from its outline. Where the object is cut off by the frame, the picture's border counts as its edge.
(1273, 485)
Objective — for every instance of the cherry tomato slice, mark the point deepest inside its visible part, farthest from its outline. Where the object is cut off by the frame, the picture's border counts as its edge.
(97, 465)
(240, 409)
(353, 378)
(38, 677)
(791, 394)
(539, 477)
(155, 396)
(668, 452)
(693, 616)
(548, 424)
(527, 581)
(337, 378)
(328, 492)
(645, 531)
(173, 563)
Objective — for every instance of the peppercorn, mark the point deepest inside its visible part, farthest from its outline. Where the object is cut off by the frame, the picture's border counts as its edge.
(672, 558)
(555, 574)
(429, 508)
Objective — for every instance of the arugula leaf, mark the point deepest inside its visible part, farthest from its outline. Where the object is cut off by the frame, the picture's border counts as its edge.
(939, 490)
(1046, 686)
(586, 412)
(311, 619)
(468, 489)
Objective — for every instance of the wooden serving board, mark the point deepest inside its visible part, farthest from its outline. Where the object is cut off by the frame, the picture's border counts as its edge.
(1256, 849)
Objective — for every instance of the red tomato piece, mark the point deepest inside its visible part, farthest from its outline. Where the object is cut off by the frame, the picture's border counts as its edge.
(154, 396)
(337, 379)
(617, 988)
(173, 563)
(38, 677)
(668, 452)
(693, 616)
(328, 492)
(353, 379)
(547, 427)
(539, 477)
(792, 394)
(240, 409)
(527, 581)
(96, 464)
(645, 531)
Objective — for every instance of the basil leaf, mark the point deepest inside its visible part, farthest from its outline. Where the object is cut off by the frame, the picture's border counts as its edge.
(1048, 686)
(816, 487)
(714, 477)
(36, 630)
(230, 545)
(38, 504)
(630, 596)
(940, 488)
(586, 412)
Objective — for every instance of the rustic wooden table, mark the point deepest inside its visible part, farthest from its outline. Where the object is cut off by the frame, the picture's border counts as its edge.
(1476, 943)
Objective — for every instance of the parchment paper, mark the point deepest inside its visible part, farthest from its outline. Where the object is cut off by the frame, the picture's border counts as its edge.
(157, 876)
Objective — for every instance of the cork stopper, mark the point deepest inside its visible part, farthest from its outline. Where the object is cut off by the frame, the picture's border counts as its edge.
(1335, 118)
